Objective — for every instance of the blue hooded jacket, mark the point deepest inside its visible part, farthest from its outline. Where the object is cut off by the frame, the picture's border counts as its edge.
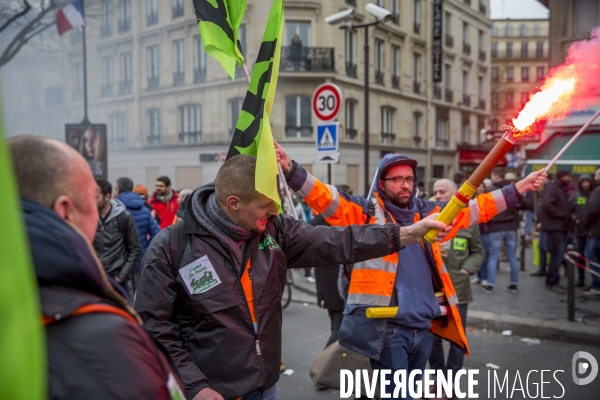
(146, 224)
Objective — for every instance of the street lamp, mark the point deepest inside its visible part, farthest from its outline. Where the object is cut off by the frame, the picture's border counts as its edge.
(382, 15)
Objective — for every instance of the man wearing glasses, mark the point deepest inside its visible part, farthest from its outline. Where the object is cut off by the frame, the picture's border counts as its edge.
(414, 279)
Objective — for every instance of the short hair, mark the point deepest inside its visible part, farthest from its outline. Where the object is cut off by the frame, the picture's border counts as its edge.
(236, 177)
(124, 184)
(42, 173)
(451, 185)
(164, 179)
(499, 171)
(459, 177)
(105, 186)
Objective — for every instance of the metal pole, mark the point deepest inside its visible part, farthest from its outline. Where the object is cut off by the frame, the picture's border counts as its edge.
(570, 287)
(522, 255)
(366, 112)
(85, 97)
(329, 173)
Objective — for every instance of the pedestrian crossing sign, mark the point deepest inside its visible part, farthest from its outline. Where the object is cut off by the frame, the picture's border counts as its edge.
(327, 138)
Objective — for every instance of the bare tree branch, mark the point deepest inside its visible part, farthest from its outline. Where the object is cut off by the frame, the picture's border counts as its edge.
(16, 16)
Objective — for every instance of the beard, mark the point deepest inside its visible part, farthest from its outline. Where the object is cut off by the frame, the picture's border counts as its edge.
(402, 199)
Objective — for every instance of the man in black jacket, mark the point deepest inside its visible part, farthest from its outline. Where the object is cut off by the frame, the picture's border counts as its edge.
(211, 285)
(555, 218)
(96, 348)
(117, 241)
(578, 203)
(591, 223)
(503, 229)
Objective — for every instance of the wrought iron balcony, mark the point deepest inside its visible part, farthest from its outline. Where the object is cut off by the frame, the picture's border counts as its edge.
(417, 28)
(481, 104)
(178, 10)
(437, 92)
(199, 75)
(305, 131)
(417, 87)
(448, 95)
(379, 77)
(153, 83)
(417, 140)
(482, 8)
(125, 88)
(307, 59)
(395, 81)
(153, 140)
(449, 41)
(190, 137)
(466, 49)
(350, 70)
(388, 138)
(510, 54)
(178, 78)
(441, 143)
(124, 25)
(106, 90)
(105, 30)
(396, 19)
(482, 55)
(351, 133)
(466, 100)
(152, 18)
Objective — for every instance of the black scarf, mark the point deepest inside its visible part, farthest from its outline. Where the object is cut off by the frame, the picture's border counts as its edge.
(211, 217)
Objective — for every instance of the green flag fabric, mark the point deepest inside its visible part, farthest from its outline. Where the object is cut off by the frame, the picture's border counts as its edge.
(253, 134)
(219, 22)
(22, 347)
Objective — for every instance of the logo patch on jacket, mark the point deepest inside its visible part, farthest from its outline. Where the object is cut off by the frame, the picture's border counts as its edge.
(268, 242)
(460, 244)
(199, 276)
(581, 200)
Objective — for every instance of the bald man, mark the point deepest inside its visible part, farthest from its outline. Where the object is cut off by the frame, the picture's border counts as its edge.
(462, 256)
(96, 348)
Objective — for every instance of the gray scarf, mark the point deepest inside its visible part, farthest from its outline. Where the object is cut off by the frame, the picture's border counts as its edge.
(166, 198)
(210, 216)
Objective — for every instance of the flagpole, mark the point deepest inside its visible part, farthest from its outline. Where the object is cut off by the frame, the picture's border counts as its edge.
(285, 186)
(85, 94)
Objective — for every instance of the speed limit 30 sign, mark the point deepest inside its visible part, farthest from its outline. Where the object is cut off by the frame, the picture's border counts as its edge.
(327, 102)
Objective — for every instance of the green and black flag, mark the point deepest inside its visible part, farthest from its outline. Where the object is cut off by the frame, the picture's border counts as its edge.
(219, 22)
(253, 134)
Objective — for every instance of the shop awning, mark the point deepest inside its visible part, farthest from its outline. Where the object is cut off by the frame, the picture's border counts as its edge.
(583, 157)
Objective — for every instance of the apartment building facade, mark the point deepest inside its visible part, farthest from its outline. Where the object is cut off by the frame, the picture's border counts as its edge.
(171, 109)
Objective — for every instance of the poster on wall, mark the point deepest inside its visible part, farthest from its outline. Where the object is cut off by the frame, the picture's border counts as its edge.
(90, 141)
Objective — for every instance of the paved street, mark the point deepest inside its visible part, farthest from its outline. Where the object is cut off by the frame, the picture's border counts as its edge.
(306, 329)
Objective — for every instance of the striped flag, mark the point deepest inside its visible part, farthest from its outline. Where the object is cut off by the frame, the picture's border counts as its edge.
(219, 22)
(22, 344)
(70, 16)
(253, 134)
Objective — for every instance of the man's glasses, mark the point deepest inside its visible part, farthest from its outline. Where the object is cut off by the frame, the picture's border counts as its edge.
(399, 180)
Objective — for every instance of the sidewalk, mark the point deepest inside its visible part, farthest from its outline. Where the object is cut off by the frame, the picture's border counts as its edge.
(533, 312)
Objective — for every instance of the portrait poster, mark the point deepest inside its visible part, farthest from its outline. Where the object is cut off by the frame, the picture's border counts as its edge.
(90, 141)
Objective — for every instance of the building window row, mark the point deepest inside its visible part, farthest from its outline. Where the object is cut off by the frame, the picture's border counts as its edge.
(524, 51)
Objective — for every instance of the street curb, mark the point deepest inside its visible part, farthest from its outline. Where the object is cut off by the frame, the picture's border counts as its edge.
(564, 331)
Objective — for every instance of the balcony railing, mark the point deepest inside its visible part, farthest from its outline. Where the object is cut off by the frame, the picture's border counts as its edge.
(190, 137)
(124, 25)
(125, 88)
(153, 140)
(524, 78)
(482, 8)
(448, 95)
(466, 100)
(307, 59)
(449, 41)
(105, 30)
(437, 92)
(379, 77)
(304, 131)
(441, 143)
(395, 81)
(519, 54)
(417, 28)
(482, 55)
(350, 70)
(388, 137)
(396, 19)
(152, 18)
(466, 49)
(351, 133)
(417, 140)
(178, 10)
(417, 87)
(199, 75)
(106, 90)
(77, 94)
(481, 104)
(178, 78)
(153, 83)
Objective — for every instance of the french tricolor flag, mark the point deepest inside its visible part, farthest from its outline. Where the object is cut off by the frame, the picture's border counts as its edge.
(70, 16)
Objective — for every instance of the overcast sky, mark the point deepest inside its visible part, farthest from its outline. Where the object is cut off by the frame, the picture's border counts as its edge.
(517, 9)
